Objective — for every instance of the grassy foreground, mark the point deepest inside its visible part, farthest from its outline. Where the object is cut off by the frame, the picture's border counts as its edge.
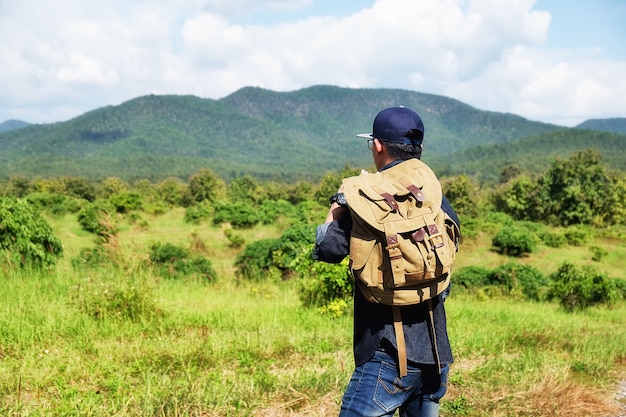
(236, 349)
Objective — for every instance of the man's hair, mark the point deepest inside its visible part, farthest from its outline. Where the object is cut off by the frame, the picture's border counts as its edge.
(402, 152)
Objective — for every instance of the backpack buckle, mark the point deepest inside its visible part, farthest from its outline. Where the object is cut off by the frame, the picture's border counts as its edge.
(434, 233)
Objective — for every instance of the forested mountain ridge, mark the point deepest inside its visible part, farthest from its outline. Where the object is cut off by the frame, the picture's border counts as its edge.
(615, 125)
(285, 136)
(533, 154)
(12, 125)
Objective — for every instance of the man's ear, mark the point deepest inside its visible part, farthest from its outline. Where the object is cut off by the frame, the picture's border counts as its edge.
(378, 146)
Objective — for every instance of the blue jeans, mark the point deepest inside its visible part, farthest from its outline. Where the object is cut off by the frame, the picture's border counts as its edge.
(375, 390)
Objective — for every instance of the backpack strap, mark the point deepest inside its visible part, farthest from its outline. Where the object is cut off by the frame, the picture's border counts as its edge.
(389, 199)
(413, 189)
(396, 259)
(433, 335)
(399, 331)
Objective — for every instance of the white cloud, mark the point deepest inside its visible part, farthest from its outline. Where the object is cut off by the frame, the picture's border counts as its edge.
(71, 56)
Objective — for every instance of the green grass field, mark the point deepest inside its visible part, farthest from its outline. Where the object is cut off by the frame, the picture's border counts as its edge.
(231, 348)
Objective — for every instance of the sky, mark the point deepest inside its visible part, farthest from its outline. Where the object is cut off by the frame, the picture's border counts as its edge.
(555, 61)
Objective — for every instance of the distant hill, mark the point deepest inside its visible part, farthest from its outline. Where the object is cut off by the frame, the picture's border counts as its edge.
(533, 154)
(284, 136)
(12, 125)
(615, 125)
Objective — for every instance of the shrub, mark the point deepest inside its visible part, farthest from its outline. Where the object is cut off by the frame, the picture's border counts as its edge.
(26, 239)
(95, 257)
(578, 235)
(311, 212)
(240, 215)
(270, 256)
(56, 204)
(598, 253)
(553, 240)
(255, 262)
(234, 240)
(175, 262)
(577, 288)
(520, 279)
(514, 240)
(620, 287)
(95, 218)
(125, 202)
(124, 298)
(324, 284)
(197, 213)
(294, 241)
(471, 277)
(271, 210)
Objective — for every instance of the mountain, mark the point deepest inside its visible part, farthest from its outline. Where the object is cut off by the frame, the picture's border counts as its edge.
(284, 136)
(12, 125)
(615, 125)
(533, 154)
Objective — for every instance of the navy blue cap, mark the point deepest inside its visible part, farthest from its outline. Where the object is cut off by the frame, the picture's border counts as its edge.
(397, 124)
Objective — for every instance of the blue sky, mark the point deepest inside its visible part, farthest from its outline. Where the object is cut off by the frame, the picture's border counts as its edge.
(555, 61)
(587, 24)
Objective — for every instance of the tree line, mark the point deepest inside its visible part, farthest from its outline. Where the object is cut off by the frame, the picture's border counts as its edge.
(578, 190)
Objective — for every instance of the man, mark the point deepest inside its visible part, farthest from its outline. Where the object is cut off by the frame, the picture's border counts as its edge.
(376, 389)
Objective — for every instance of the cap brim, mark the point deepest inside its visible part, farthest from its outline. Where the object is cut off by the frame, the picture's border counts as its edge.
(366, 135)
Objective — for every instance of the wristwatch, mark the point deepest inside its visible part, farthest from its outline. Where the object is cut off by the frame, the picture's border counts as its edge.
(339, 198)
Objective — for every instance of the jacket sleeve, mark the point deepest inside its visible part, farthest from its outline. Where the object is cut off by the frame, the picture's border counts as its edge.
(332, 241)
(445, 206)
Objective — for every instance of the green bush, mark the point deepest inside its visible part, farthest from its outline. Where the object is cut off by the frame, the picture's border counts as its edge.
(524, 280)
(294, 241)
(598, 253)
(514, 240)
(56, 204)
(577, 288)
(470, 277)
(271, 256)
(324, 284)
(95, 218)
(553, 240)
(94, 258)
(176, 262)
(255, 262)
(272, 210)
(197, 213)
(240, 215)
(234, 240)
(125, 202)
(620, 287)
(578, 235)
(26, 239)
(122, 299)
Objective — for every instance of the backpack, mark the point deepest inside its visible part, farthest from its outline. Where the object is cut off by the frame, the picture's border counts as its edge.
(402, 244)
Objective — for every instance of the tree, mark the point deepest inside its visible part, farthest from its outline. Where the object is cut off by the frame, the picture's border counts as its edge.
(462, 193)
(580, 190)
(205, 185)
(18, 186)
(172, 191)
(113, 185)
(577, 190)
(246, 189)
(522, 199)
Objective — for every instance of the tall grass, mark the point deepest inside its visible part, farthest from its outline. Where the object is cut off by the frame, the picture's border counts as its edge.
(122, 341)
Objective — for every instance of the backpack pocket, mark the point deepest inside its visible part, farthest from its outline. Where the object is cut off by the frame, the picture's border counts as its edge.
(366, 258)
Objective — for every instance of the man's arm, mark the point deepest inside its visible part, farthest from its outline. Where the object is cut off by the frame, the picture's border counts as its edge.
(332, 239)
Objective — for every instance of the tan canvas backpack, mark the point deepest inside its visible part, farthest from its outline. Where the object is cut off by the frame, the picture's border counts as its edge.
(402, 243)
